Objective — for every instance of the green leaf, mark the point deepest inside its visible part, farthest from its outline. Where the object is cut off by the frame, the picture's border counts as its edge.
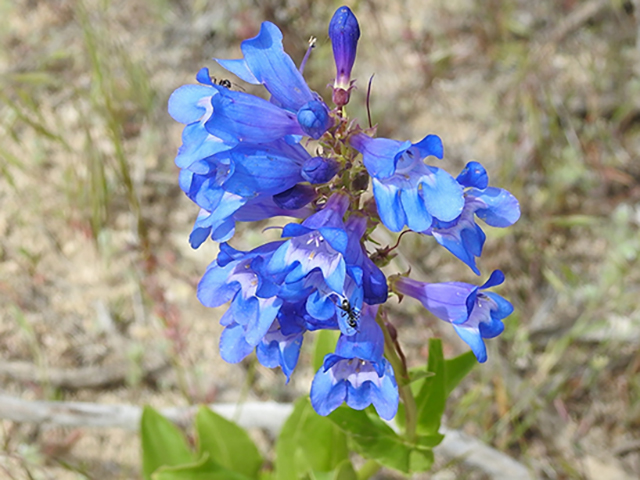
(204, 469)
(320, 475)
(226, 443)
(264, 475)
(431, 399)
(416, 374)
(457, 368)
(325, 343)
(373, 438)
(421, 460)
(308, 442)
(162, 443)
(430, 441)
(345, 471)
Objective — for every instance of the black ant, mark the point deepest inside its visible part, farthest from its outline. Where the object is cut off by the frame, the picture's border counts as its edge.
(223, 82)
(352, 314)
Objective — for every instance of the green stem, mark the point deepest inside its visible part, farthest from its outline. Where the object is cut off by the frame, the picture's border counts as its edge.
(402, 377)
(368, 470)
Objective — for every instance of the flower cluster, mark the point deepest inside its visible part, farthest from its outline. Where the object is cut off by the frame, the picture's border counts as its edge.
(243, 158)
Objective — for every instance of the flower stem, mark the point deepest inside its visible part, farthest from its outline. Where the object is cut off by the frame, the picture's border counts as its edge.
(396, 358)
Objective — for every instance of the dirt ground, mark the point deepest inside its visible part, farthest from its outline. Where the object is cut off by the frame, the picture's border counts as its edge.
(97, 279)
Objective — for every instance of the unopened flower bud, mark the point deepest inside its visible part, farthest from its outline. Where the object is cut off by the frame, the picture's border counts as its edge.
(314, 119)
(318, 170)
(295, 197)
(344, 33)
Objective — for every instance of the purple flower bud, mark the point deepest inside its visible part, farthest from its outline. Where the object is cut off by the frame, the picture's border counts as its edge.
(344, 33)
(319, 170)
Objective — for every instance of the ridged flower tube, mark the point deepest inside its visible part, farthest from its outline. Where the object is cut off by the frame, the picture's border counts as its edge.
(474, 314)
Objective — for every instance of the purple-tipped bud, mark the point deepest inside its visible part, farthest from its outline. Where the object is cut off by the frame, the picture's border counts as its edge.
(344, 33)
(314, 119)
(319, 170)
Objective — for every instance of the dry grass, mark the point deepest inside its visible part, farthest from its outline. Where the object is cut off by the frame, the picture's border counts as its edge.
(95, 265)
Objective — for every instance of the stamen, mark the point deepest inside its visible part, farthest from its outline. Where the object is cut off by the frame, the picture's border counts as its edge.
(312, 44)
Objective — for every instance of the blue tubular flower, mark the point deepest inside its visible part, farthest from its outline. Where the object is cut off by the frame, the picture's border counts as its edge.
(191, 105)
(235, 276)
(280, 347)
(222, 184)
(344, 33)
(265, 62)
(497, 207)
(220, 225)
(474, 314)
(262, 169)
(374, 282)
(357, 373)
(241, 117)
(319, 242)
(318, 170)
(314, 258)
(407, 191)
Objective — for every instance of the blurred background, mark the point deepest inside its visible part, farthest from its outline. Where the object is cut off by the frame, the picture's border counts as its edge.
(97, 279)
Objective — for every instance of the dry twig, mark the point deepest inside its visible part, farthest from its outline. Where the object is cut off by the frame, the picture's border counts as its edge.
(84, 377)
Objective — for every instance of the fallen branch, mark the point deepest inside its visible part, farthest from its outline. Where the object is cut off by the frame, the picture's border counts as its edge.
(266, 415)
(84, 377)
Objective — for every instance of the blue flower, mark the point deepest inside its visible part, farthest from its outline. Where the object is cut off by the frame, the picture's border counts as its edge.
(265, 62)
(224, 183)
(220, 224)
(319, 169)
(280, 347)
(374, 283)
(497, 207)
(236, 276)
(474, 314)
(357, 373)
(316, 257)
(191, 105)
(407, 191)
(344, 33)
(241, 117)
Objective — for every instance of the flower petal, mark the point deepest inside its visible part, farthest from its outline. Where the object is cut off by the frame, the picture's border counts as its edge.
(441, 194)
(327, 393)
(389, 205)
(233, 347)
(268, 63)
(186, 105)
(418, 218)
(471, 336)
(502, 208)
